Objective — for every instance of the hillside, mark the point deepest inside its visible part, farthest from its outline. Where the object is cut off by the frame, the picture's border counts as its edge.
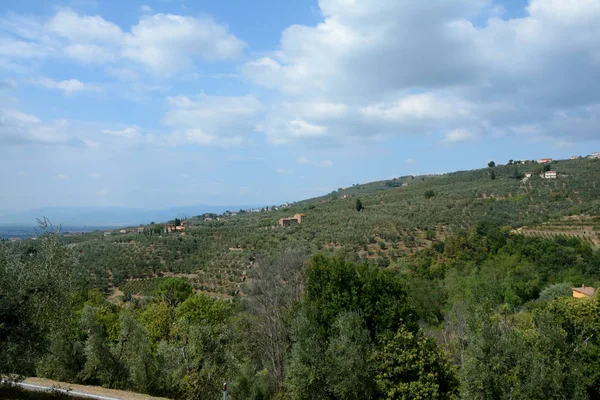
(217, 255)
(455, 284)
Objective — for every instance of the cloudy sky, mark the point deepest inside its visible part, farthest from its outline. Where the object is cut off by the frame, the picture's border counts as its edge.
(164, 103)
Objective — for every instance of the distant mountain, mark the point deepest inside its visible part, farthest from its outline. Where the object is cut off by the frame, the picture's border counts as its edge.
(108, 216)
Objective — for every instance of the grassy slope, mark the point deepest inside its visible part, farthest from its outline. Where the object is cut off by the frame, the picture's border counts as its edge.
(393, 224)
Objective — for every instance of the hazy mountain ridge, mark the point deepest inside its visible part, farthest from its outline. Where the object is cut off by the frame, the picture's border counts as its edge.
(107, 216)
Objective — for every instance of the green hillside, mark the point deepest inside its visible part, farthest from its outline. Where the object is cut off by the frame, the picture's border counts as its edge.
(397, 221)
(452, 286)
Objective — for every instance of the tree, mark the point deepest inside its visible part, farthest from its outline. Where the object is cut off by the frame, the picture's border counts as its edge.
(492, 175)
(429, 194)
(177, 222)
(38, 286)
(492, 164)
(410, 366)
(277, 287)
(557, 290)
(348, 357)
(359, 205)
(173, 291)
(519, 358)
(517, 175)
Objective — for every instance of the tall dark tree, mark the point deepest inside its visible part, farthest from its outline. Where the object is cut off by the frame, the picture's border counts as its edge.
(359, 205)
(492, 164)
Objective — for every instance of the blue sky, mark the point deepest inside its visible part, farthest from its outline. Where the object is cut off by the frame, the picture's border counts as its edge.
(164, 103)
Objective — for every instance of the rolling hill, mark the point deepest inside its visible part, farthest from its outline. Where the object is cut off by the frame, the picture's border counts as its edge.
(397, 221)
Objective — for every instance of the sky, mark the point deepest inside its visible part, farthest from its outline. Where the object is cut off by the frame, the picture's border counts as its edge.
(160, 103)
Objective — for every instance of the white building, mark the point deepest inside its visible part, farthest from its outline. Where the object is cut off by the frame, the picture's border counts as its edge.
(595, 155)
(548, 175)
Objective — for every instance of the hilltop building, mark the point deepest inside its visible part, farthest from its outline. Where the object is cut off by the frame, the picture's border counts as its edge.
(583, 291)
(595, 155)
(295, 220)
(545, 161)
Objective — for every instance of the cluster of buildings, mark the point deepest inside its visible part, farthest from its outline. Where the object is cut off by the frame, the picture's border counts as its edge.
(595, 155)
(139, 230)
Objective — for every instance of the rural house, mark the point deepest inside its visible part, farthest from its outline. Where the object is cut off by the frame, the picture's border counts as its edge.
(295, 220)
(545, 161)
(595, 155)
(548, 175)
(581, 292)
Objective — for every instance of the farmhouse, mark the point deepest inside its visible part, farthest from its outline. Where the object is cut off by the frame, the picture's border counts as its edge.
(583, 292)
(295, 220)
(545, 161)
(548, 175)
(575, 157)
(107, 233)
(595, 155)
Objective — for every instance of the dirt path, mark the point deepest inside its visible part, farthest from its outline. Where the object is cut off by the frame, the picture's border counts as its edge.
(92, 392)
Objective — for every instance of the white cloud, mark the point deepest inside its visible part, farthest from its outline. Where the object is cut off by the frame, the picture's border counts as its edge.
(69, 87)
(145, 8)
(19, 128)
(459, 135)
(323, 163)
(402, 67)
(167, 43)
(124, 74)
(409, 161)
(62, 177)
(83, 28)
(213, 120)
(90, 53)
(129, 132)
(164, 43)
(91, 144)
(283, 171)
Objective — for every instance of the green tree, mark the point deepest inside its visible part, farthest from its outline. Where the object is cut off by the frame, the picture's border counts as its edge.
(410, 366)
(173, 291)
(492, 164)
(359, 205)
(519, 358)
(348, 356)
(429, 194)
(492, 175)
(37, 294)
(517, 174)
(555, 291)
